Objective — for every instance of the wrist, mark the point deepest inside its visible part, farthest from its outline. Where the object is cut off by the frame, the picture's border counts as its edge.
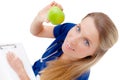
(23, 75)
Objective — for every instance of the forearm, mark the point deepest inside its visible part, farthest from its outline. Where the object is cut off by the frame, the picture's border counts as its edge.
(36, 26)
(23, 75)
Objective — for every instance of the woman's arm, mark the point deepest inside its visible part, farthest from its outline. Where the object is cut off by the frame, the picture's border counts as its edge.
(37, 26)
(17, 66)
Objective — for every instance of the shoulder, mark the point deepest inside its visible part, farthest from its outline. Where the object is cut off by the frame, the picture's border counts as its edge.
(64, 25)
(62, 28)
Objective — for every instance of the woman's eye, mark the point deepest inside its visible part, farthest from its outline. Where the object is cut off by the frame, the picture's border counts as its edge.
(78, 28)
(86, 42)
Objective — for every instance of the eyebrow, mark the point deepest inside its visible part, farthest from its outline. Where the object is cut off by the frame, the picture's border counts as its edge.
(90, 41)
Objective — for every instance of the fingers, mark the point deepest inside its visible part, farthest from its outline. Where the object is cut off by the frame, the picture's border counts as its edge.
(11, 57)
(56, 4)
(13, 60)
(15, 63)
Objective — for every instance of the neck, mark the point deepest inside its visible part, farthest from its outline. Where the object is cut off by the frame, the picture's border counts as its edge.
(64, 58)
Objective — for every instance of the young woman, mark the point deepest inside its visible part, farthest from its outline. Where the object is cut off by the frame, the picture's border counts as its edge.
(76, 48)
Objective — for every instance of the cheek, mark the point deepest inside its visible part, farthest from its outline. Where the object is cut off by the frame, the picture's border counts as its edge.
(83, 52)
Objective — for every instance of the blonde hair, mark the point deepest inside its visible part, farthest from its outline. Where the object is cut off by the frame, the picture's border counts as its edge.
(108, 35)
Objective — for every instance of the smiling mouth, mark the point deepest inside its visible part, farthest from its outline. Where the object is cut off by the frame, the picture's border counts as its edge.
(68, 46)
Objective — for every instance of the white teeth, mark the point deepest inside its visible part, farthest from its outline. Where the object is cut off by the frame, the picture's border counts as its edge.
(69, 46)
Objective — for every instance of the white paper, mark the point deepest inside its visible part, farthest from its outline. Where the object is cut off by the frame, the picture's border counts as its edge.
(6, 72)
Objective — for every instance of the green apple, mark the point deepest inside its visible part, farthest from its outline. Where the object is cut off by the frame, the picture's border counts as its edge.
(55, 15)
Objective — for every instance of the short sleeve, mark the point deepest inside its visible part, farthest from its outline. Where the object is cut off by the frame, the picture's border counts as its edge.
(62, 28)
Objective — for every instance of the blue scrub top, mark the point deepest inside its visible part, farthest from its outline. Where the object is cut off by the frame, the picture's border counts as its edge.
(54, 50)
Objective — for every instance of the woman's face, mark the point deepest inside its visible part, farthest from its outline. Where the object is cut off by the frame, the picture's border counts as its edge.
(81, 41)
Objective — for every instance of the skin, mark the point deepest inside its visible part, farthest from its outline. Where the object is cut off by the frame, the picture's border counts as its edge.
(17, 66)
(37, 29)
(81, 41)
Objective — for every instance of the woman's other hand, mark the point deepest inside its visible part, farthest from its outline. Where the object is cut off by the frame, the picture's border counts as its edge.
(17, 66)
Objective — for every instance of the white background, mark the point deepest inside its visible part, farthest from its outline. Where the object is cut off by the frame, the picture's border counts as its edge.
(16, 17)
